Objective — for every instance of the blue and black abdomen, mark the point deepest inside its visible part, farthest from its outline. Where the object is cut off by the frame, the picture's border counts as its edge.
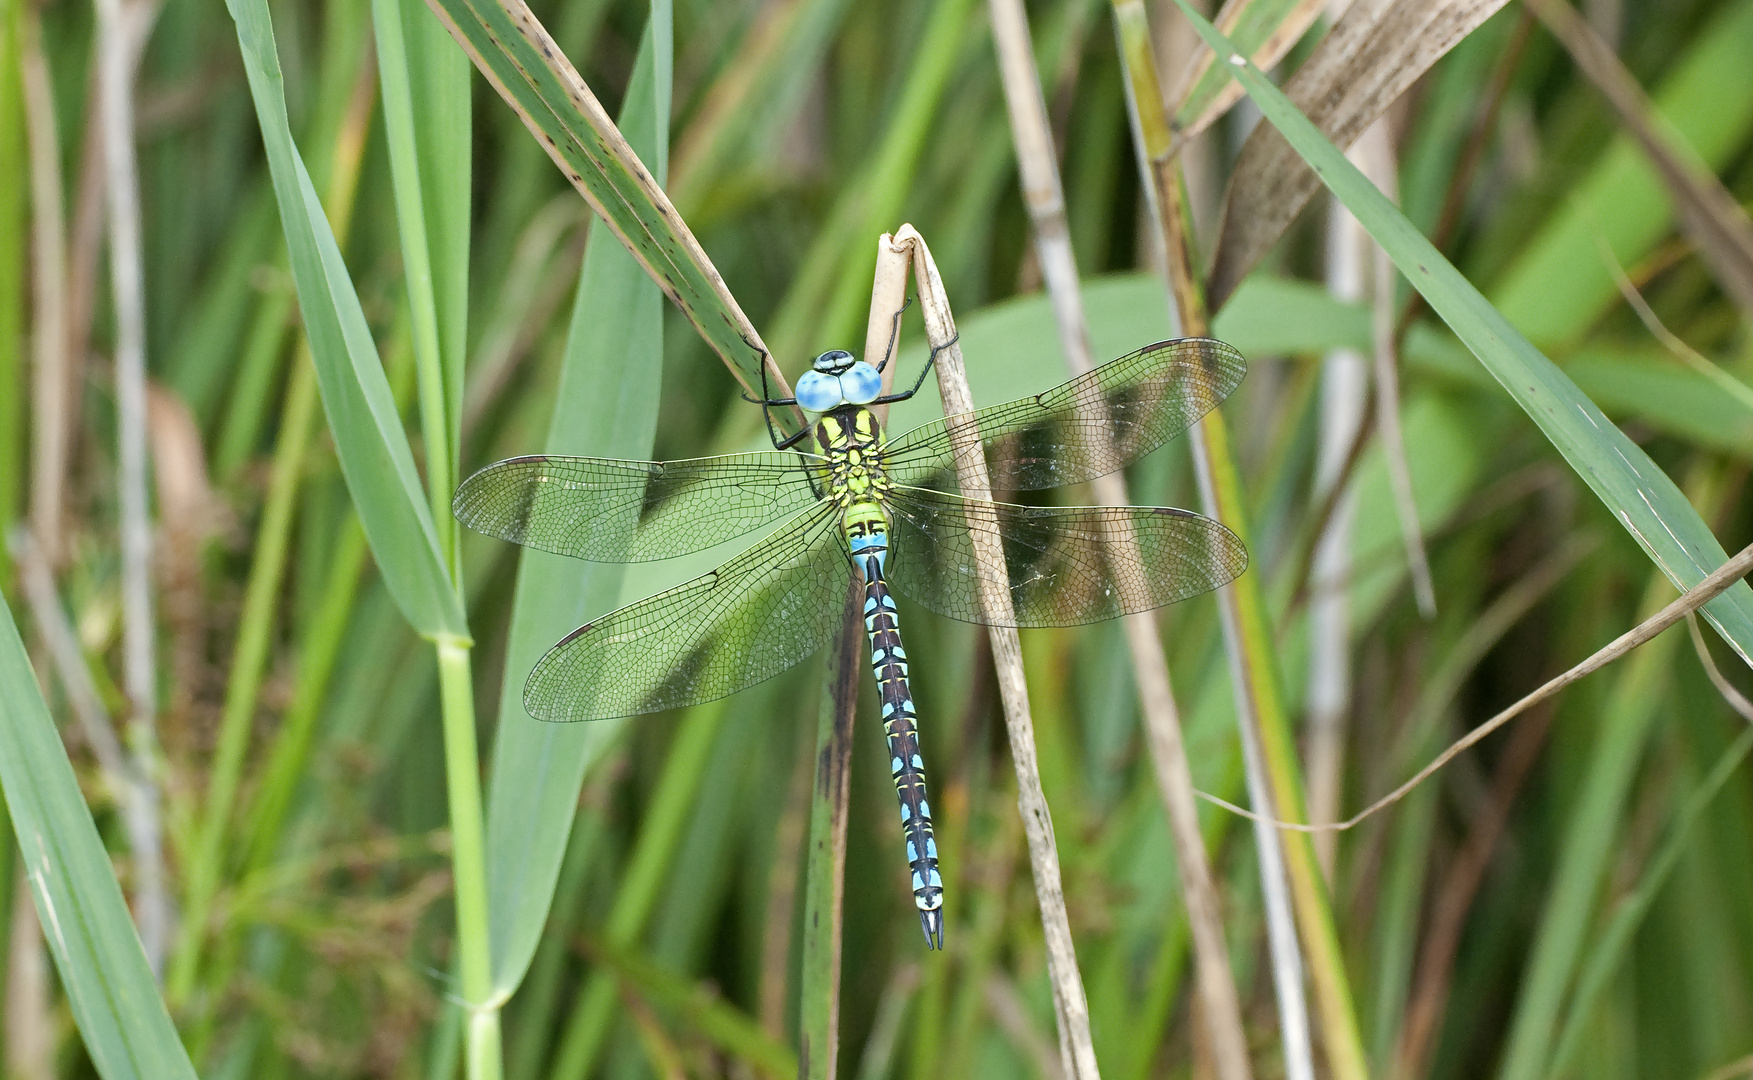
(888, 661)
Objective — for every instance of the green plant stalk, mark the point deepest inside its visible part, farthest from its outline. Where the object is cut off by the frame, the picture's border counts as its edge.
(1240, 602)
(462, 774)
(317, 653)
(257, 365)
(206, 865)
(1258, 666)
(1590, 838)
(825, 866)
(660, 834)
(725, 1026)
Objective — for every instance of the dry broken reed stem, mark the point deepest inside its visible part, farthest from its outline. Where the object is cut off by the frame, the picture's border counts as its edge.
(1326, 574)
(1043, 193)
(1381, 165)
(51, 422)
(1070, 1006)
(121, 27)
(1691, 600)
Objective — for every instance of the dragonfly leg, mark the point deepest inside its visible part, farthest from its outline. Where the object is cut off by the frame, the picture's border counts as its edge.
(923, 372)
(894, 335)
(767, 403)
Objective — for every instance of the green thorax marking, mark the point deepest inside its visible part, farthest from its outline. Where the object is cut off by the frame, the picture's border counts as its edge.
(852, 440)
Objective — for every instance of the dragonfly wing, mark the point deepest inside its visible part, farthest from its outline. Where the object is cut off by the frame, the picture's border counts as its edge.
(1094, 424)
(1066, 565)
(607, 510)
(745, 622)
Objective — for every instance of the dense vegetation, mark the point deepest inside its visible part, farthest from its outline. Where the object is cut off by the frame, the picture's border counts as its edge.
(1570, 898)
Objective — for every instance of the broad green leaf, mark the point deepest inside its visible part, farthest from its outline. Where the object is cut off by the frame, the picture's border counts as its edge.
(369, 440)
(1638, 493)
(79, 905)
(522, 62)
(606, 406)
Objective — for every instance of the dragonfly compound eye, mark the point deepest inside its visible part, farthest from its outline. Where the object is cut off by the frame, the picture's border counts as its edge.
(818, 392)
(861, 384)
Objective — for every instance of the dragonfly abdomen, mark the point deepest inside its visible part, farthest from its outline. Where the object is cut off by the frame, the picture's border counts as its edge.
(867, 537)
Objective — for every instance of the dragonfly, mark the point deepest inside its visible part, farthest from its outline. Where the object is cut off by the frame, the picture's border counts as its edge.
(888, 510)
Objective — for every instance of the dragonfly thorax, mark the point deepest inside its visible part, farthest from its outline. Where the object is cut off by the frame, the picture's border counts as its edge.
(852, 441)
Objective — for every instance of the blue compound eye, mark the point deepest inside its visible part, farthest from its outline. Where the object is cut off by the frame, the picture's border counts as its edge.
(861, 384)
(818, 392)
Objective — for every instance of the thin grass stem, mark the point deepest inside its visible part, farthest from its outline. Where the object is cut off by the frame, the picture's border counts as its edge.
(1044, 194)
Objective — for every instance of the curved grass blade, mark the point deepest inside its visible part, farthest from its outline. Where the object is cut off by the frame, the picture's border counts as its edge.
(745, 622)
(610, 510)
(522, 62)
(1090, 426)
(369, 439)
(103, 969)
(1640, 495)
(1064, 565)
(606, 404)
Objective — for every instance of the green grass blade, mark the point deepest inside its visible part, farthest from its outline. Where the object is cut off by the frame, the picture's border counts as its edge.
(373, 448)
(1592, 834)
(79, 905)
(429, 163)
(606, 406)
(1638, 493)
(518, 57)
(724, 1026)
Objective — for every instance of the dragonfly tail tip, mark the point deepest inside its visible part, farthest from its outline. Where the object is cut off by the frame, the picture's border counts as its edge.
(932, 922)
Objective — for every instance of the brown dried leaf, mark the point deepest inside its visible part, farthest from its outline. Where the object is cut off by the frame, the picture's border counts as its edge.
(1374, 52)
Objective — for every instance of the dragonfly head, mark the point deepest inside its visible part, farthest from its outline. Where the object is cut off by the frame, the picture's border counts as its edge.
(837, 379)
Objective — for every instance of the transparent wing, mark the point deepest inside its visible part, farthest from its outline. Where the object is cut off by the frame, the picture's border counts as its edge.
(747, 621)
(606, 510)
(1092, 425)
(1067, 565)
